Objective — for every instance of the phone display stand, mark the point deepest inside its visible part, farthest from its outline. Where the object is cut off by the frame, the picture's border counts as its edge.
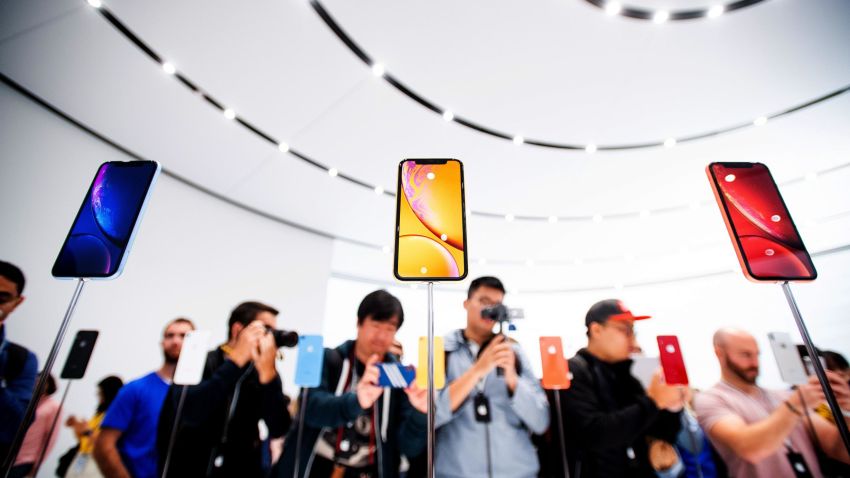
(818, 366)
(188, 371)
(299, 437)
(431, 404)
(43, 452)
(559, 415)
(42, 381)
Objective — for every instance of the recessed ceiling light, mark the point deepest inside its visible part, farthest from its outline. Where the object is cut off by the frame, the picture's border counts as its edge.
(716, 11)
(669, 142)
(169, 68)
(95, 3)
(378, 69)
(613, 8)
(590, 148)
(660, 16)
(229, 114)
(333, 172)
(379, 190)
(519, 139)
(448, 115)
(283, 147)
(761, 120)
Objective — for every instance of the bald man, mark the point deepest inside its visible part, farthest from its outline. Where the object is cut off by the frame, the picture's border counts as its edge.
(762, 433)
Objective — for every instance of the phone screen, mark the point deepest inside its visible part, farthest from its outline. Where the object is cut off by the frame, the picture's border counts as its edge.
(395, 375)
(79, 355)
(96, 246)
(765, 237)
(430, 239)
(672, 361)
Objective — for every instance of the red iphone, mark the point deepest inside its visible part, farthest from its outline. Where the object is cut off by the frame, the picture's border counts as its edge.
(556, 375)
(766, 240)
(671, 360)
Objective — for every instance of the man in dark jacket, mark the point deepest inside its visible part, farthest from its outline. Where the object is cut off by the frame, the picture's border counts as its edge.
(610, 423)
(240, 381)
(18, 365)
(353, 427)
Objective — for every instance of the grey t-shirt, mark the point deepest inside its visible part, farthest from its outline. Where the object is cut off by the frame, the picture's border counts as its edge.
(723, 400)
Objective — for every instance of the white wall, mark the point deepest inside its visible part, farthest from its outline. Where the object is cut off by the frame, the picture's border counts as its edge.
(194, 256)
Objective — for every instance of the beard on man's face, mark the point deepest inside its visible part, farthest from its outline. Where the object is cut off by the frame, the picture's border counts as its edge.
(749, 374)
(170, 358)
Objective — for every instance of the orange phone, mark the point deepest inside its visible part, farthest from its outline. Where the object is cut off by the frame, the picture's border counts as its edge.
(556, 374)
(672, 361)
(430, 242)
(766, 241)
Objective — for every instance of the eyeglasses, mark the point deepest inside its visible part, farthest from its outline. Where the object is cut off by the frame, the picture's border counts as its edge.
(627, 330)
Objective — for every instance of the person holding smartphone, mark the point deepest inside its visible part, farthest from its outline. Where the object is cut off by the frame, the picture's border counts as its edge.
(613, 427)
(353, 427)
(485, 417)
(218, 431)
(760, 432)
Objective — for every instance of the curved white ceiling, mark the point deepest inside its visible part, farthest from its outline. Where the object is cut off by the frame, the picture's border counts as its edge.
(556, 69)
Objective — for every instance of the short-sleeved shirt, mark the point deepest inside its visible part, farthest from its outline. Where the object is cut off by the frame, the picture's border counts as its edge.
(135, 413)
(724, 400)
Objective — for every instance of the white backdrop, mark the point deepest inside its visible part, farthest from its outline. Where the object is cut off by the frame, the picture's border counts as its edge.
(194, 256)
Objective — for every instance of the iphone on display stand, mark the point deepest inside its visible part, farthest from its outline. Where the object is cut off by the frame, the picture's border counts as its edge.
(768, 245)
(787, 358)
(430, 239)
(103, 231)
(766, 240)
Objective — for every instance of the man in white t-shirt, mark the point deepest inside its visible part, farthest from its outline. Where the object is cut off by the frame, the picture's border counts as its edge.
(759, 432)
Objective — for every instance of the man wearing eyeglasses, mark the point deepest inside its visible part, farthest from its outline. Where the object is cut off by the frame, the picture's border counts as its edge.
(18, 366)
(609, 420)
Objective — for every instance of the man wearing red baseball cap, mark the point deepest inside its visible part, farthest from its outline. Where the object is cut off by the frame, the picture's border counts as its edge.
(608, 417)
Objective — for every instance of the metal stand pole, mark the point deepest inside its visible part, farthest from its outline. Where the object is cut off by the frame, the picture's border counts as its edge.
(50, 432)
(174, 430)
(821, 374)
(302, 412)
(431, 405)
(560, 418)
(42, 381)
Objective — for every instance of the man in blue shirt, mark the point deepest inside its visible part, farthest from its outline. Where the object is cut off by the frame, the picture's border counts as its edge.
(126, 446)
(18, 366)
(485, 418)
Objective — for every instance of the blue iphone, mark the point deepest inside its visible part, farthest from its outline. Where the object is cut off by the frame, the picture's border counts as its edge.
(103, 231)
(308, 369)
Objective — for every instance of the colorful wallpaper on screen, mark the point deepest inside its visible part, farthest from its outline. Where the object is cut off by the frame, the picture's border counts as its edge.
(101, 232)
(431, 242)
(766, 232)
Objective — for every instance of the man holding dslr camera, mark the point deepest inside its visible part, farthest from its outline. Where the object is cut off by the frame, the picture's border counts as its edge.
(493, 402)
(218, 432)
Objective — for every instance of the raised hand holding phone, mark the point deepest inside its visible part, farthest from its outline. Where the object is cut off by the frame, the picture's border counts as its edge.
(368, 390)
